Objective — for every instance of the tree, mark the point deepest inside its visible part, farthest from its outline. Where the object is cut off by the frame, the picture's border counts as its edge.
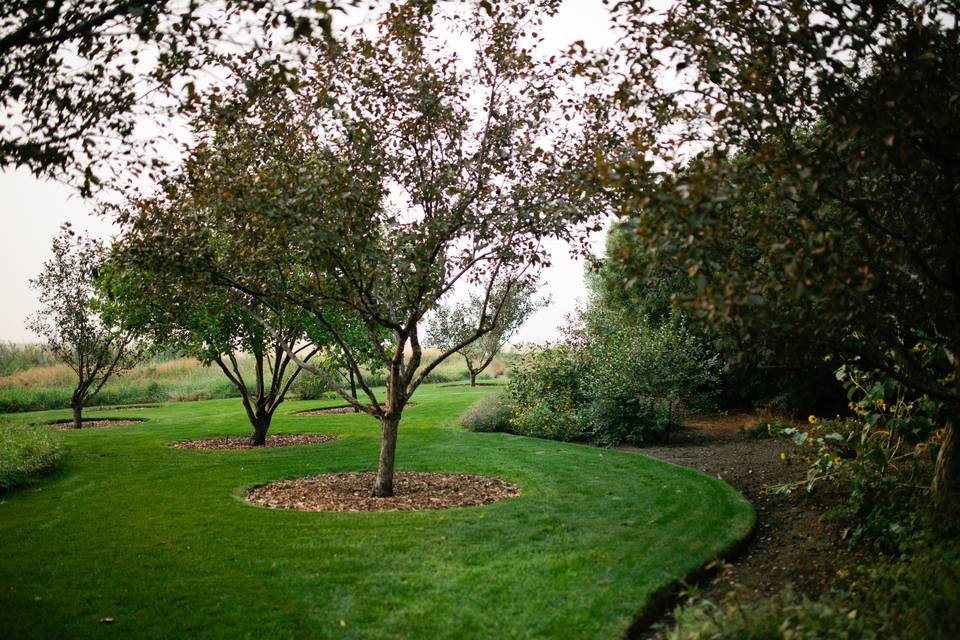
(396, 171)
(827, 135)
(74, 76)
(215, 325)
(452, 324)
(70, 322)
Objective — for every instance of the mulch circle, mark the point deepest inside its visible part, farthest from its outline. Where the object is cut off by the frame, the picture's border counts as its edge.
(336, 410)
(350, 492)
(243, 442)
(65, 425)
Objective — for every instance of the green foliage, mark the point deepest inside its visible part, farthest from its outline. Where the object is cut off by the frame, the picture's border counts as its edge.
(26, 452)
(914, 597)
(309, 386)
(641, 378)
(613, 382)
(491, 413)
(545, 390)
(821, 214)
(882, 455)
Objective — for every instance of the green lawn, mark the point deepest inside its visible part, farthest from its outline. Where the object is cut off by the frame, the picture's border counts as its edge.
(159, 540)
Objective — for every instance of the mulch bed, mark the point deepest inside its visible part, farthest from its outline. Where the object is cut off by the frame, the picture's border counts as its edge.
(65, 425)
(128, 407)
(243, 442)
(792, 543)
(336, 410)
(350, 492)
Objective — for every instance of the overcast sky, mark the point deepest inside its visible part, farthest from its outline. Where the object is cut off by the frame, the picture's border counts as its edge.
(33, 210)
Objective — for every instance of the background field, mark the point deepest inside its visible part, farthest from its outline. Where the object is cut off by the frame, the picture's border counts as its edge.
(32, 380)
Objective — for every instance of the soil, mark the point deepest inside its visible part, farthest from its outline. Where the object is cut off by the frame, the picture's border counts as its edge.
(128, 407)
(243, 442)
(346, 408)
(88, 423)
(792, 543)
(350, 492)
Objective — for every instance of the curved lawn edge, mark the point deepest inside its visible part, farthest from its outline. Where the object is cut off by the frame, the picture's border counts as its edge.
(669, 595)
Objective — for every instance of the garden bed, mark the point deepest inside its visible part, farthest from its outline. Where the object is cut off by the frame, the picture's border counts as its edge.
(243, 442)
(792, 542)
(414, 491)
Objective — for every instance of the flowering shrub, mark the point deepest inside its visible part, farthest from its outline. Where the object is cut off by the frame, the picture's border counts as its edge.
(883, 453)
(545, 390)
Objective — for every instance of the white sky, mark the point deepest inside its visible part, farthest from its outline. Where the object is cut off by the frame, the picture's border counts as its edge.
(33, 211)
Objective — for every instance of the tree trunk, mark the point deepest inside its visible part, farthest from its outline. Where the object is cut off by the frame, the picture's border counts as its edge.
(77, 415)
(260, 426)
(388, 451)
(946, 474)
(473, 379)
(353, 389)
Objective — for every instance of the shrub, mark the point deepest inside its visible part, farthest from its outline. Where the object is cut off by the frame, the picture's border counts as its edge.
(491, 413)
(309, 386)
(26, 452)
(913, 597)
(640, 380)
(545, 391)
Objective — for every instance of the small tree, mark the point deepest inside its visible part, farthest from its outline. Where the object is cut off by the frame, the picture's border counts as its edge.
(395, 172)
(71, 322)
(452, 324)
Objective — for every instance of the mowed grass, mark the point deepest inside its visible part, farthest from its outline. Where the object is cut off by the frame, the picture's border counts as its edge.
(159, 541)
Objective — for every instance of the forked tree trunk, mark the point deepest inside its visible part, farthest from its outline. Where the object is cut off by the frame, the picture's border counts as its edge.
(473, 379)
(383, 488)
(946, 474)
(260, 427)
(77, 415)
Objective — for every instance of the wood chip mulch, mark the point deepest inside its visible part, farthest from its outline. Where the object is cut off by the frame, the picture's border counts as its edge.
(93, 424)
(350, 492)
(335, 410)
(243, 442)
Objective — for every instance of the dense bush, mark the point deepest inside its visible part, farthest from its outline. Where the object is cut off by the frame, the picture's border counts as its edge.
(26, 452)
(613, 381)
(546, 395)
(491, 413)
(642, 378)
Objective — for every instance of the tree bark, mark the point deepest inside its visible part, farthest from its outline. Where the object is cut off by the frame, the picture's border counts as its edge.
(77, 415)
(946, 474)
(353, 389)
(473, 379)
(260, 426)
(383, 488)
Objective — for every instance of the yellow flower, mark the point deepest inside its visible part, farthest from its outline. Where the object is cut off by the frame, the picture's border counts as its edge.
(880, 403)
(783, 456)
(812, 419)
(950, 377)
(827, 358)
(921, 447)
(838, 461)
(922, 348)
